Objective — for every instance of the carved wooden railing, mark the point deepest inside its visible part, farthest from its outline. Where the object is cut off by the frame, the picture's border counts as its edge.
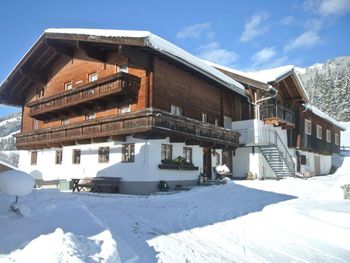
(145, 121)
(121, 83)
(277, 111)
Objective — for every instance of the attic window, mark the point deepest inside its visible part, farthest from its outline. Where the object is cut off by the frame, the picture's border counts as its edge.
(41, 93)
(329, 136)
(123, 68)
(319, 132)
(336, 139)
(93, 77)
(68, 85)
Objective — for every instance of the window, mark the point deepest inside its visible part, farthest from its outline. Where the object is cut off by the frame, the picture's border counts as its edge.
(328, 136)
(68, 85)
(303, 159)
(65, 121)
(103, 154)
(319, 132)
(123, 68)
(33, 157)
(90, 116)
(307, 127)
(76, 156)
(58, 158)
(36, 124)
(238, 109)
(204, 117)
(336, 139)
(93, 77)
(125, 109)
(216, 121)
(41, 93)
(188, 154)
(128, 153)
(167, 152)
(176, 110)
(227, 122)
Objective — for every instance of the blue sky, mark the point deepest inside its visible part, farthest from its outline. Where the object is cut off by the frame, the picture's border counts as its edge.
(246, 35)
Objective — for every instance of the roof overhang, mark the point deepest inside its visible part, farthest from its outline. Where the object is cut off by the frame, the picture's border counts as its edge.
(139, 39)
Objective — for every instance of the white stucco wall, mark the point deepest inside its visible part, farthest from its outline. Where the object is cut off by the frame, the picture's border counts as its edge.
(145, 168)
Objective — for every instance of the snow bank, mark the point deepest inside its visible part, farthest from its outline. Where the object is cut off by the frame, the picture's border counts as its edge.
(15, 182)
(67, 247)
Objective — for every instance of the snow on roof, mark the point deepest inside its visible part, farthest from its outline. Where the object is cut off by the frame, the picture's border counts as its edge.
(323, 115)
(271, 75)
(8, 165)
(163, 46)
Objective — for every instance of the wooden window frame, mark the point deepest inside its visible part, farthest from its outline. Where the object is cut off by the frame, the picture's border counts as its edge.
(90, 116)
(128, 153)
(216, 122)
(329, 136)
(90, 76)
(319, 132)
(58, 156)
(65, 121)
(187, 154)
(41, 93)
(34, 158)
(204, 117)
(66, 85)
(103, 154)
(166, 152)
(35, 124)
(120, 68)
(336, 139)
(76, 156)
(125, 109)
(176, 110)
(306, 124)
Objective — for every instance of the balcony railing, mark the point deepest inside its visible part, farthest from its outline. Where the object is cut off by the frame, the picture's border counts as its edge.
(121, 84)
(147, 122)
(273, 111)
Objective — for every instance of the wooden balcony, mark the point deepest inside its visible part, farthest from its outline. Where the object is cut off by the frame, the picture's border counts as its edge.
(278, 116)
(121, 88)
(147, 124)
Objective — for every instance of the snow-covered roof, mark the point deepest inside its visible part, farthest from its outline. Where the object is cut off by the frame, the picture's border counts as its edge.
(323, 115)
(161, 45)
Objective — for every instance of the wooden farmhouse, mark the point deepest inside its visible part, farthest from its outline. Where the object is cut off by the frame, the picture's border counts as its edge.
(130, 104)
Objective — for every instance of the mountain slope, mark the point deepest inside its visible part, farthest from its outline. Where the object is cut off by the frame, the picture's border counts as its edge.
(328, 86)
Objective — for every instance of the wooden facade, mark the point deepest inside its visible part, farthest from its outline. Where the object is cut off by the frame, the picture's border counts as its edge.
(63, 105)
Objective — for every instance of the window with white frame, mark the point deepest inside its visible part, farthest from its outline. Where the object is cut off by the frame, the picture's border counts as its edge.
(65, 121)
(68, 85)
(336, 139)
(125, 109)
(76, 156)
(92, 76)
(103, 154)
(36, 124)
(58, 157)
(204, 117)
(123, 68)
(176, 110)
(90, 116)
(307, 126)
(319, 131)
(329, 136)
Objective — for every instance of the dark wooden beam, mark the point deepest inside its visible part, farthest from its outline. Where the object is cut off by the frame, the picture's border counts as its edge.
(33, 75)
(176, 139)
(119, 138)
(93, 53)
(61, 49)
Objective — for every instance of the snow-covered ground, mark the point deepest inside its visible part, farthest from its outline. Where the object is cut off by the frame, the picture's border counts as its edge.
(291, 220)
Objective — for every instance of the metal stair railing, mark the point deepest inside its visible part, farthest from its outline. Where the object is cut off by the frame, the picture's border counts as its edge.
(264, 137)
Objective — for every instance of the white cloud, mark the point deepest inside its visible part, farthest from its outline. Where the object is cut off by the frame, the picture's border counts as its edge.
(328, 7)
(307, 39)
(255, 27)
(264, 55)
(288, 21)
(214, 53)
(196, 31)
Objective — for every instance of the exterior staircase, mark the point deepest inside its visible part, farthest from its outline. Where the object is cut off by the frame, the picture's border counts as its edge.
(273, 149)
(276, 161)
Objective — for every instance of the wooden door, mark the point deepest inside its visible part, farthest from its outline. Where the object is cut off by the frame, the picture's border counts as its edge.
(207, 162)
(227, 158)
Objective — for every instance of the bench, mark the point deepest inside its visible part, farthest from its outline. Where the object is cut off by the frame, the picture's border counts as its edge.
(97, 184)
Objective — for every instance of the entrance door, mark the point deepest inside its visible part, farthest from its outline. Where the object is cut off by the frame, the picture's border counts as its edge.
(227, 158)
(207, 162)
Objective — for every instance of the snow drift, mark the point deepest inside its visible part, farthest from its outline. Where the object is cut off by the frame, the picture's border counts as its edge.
(14, 182)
